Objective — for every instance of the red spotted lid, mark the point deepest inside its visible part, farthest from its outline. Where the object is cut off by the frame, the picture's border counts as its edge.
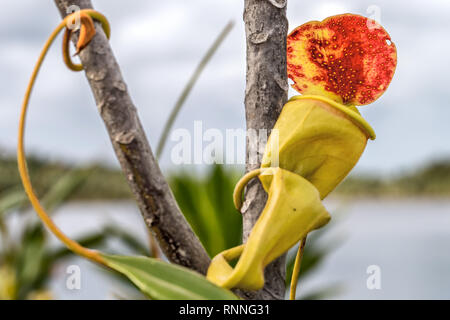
(348, 58)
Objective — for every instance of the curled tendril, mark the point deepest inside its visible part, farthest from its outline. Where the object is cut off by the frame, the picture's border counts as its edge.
(87, 32)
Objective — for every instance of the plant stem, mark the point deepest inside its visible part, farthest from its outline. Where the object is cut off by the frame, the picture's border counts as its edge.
(266, 93)
(296, 271)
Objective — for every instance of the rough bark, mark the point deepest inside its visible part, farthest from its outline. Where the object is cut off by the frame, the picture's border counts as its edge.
(150, 189)
(266, 92)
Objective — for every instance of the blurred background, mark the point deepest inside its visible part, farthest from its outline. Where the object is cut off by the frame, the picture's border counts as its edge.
(392, 212)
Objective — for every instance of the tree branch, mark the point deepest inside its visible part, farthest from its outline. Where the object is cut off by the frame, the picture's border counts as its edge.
(266, 92)
(150, 189)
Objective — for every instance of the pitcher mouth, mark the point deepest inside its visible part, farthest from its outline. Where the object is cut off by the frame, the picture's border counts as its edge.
(354, 116)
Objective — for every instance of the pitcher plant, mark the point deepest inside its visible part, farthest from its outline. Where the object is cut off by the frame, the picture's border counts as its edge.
(337, 64)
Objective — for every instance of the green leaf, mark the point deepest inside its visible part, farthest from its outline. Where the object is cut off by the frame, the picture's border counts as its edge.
(12, 199)
(206, 202)
(30, 258)
(127, 239)
(220, 186)
(163, 281)
(64, 188)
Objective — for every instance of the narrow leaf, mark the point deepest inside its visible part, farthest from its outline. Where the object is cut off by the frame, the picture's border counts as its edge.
(163, 281)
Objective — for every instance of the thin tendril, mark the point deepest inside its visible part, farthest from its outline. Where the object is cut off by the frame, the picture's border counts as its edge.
(21, 157)
(296, 271)
(237, 194)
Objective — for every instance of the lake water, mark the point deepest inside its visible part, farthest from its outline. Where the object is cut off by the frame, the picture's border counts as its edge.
(408, 240)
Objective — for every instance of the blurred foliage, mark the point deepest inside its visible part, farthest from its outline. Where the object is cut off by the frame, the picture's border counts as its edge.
(100, 183)
(207, 203)
(431, 180)
(26, 258)
(109, 183)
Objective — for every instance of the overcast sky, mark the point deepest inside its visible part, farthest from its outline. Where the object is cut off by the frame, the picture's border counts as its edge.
(159, 43)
